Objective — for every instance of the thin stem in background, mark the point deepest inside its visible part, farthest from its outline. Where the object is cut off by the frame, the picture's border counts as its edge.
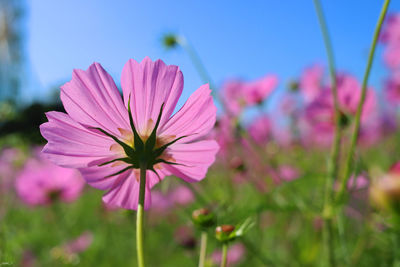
(354, 137)
(205, 76)
(139, 215)
(203, 248)
(224, 256)
(333, 164)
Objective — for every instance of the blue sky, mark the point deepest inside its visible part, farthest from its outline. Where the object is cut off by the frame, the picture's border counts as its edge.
(233, 38)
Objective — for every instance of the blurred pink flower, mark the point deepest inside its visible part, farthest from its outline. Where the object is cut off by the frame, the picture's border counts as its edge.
(377, 127)
(80, 244)
(28, 259)
(349, 94)
(160, 203)
(288, 173)
(257, 91)
(180, 195)
(391, 55)
(288, 104)
(319, 114)
(41, 182)
(392, 87)
(283, 173)
(361, 182)
(391, 37)
(184, 236)
(391, 30)
(233, 97)
(224, 134)
(69, 252)
(236, 253)
(311, 82)
(238, 94)
(260, 129)
(101, 135)
(9, 159)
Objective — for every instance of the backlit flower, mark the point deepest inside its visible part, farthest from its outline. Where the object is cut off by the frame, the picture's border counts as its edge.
(107, 137)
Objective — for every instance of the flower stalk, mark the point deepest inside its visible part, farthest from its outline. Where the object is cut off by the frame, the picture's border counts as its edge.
(139, 215)
(354, 136)
(224, 256)
(203, 248)
(333, 164)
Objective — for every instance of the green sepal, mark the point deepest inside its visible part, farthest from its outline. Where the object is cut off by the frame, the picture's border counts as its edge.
(139, 145)
(161, 149)
(126, 160)
(151, 141)
(119, 172)
(129, 151)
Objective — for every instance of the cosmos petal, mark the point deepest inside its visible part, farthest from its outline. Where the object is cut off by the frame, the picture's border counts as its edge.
(193, 159)
(70, 144)
(92, 98)
(195, 119)
(150, 84)
(125, 193)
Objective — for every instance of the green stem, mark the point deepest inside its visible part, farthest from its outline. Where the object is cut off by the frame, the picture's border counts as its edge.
(333, 164)
(224, 257)
(139, 216)
(203, 249)
(196, 62)
(354, 137)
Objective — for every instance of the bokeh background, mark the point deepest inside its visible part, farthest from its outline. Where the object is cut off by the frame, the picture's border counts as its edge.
(42, 41)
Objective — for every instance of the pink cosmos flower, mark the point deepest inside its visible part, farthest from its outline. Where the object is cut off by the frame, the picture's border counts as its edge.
(311, 82)
(162, 202)
(288, 173)
(377, 127)
(391, 31)
(391, 37)
(257, 91)
(358, 183)
(392, 86)
(391, 55)
(236, 252)
(69, 252)
(108, 136)
(184, 236)
(320, 112)
(41, 182)
(224, 134)
(260, 129)
(233, 97)
(181, 195)
(237, 94)
(80, 244)
(9, 158)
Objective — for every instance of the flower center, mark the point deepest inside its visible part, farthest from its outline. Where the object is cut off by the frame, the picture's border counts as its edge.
(137, 150)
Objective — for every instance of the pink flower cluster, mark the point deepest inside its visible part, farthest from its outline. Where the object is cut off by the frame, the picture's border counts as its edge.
(41, 182)
(390, 37)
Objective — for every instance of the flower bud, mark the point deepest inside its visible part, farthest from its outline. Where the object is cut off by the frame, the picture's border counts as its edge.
(344, 119)
(203, 218)
(170, 41)
(293, 85)
(237, 164)
(224, 232)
